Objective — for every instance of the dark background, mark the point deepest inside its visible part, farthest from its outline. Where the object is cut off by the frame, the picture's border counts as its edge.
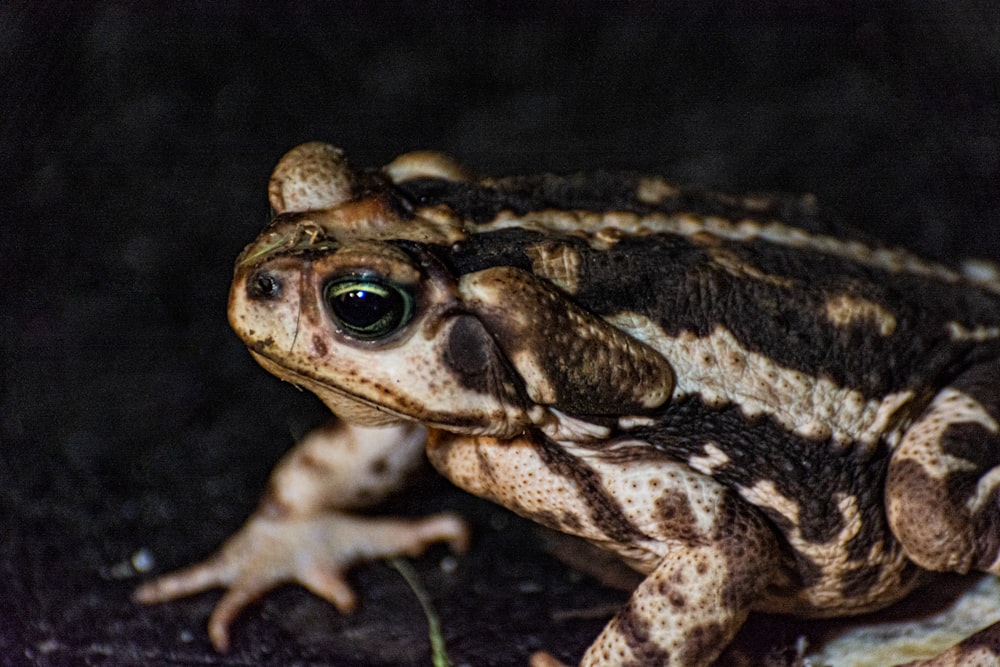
(136, 140)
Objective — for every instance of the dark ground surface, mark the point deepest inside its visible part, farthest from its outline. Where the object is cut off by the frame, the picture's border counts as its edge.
(135, 146)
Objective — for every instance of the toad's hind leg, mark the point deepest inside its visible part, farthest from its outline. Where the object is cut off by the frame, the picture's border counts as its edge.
(943, 486)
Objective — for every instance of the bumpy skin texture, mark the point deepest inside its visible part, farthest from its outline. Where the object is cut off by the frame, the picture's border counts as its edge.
(751, 407)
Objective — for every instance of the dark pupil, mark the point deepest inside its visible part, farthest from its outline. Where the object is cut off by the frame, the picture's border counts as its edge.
(368, 310)
(363, 308)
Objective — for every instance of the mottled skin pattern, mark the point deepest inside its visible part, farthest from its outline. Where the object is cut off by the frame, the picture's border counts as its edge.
(752, 407)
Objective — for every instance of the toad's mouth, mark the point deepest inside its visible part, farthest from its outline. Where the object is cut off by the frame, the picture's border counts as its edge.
(357, 409)
(319, 386)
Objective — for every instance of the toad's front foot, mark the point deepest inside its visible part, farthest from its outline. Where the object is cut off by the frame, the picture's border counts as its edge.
(314, 551)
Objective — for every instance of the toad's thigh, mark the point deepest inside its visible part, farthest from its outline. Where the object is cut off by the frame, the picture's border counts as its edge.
(943, 487)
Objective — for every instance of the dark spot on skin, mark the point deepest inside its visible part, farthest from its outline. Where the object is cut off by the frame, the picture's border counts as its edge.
(547, 519)
(260, 346)
(470, 351)
(678, 521)
(702, 644)
(379, 466)
(319, 345)
(571, 522)
(485, 465)
(477, 364)
(636, 632)
(310, 462)
(605, 511)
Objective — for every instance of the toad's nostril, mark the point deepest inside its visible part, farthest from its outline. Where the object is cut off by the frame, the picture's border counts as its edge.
(263, 285)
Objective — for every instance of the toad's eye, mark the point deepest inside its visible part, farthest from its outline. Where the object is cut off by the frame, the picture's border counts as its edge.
(368, 308)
